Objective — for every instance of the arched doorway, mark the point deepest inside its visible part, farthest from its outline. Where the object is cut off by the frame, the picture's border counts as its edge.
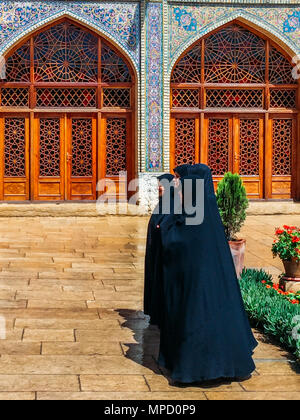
(234, 107)
(66, 116)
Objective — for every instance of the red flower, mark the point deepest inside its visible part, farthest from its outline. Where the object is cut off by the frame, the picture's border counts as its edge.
(279, 231)
(268, 287)
(287, 227)
(264, 281)
(295, 239)
(294, 301)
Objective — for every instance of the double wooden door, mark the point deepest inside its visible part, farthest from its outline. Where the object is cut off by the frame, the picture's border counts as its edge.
(257, 147)
(53, 157)
(64, 157)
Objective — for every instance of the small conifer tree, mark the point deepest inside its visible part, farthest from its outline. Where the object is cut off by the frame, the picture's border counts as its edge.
(233, 203)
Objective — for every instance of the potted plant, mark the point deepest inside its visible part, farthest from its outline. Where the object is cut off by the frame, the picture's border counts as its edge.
(287, 247)
(233, 202)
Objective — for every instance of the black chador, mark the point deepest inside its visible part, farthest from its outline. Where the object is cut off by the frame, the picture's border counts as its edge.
(182, 170)
(153, 285)
(205, 333)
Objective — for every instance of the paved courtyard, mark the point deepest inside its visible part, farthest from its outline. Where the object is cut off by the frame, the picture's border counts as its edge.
(71, 295)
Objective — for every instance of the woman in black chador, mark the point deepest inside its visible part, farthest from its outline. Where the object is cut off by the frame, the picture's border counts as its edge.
(205, 333)
(153, 284)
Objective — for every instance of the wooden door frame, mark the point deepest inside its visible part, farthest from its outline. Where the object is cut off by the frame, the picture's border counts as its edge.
(130, 147)
(197, 117)
(295, 187)
(69, 116)
(35, 156)
(15, 180)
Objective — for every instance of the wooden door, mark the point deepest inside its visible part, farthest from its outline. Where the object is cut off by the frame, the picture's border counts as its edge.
(282, 164)
(235, 143)
(14, 149)
(48, 176)
(219, 142)
(248, 152)
(115, 157)
(81, 159)
(185, 139)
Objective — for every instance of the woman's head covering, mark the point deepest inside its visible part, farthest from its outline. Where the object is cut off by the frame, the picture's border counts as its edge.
(199, 169)
(182, 170)
(203, 172)
(168, 177)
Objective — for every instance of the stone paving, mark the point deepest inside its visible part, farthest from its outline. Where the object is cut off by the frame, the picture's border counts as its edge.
(71, 295)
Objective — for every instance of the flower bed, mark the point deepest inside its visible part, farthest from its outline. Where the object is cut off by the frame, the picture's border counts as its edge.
(292, 297)
(271, 309)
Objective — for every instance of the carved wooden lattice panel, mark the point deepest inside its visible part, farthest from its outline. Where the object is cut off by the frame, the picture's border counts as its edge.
(66, 98)
(15, 97)
(283, 98)
(82, 147)
(113, 67)
(18, 65)
(67, 53)
(188, 69)
(185, 98)
(234, 55)
(185, 133)
(50, 147)
(249, 147)
(234, 98)
(218, 149)
(116, 98)
(280, 69)
(282, 146)
(14, 147)
(116, 130)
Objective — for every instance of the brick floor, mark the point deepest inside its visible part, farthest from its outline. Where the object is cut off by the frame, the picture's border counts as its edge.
(71, 293)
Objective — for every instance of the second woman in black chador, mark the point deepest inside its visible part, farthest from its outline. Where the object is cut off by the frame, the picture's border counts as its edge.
(153, 284)
(205, 333)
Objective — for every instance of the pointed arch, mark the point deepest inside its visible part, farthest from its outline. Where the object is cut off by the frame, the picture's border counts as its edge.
(75, 112)
(250, 21)
(218, 102)
(7, 47)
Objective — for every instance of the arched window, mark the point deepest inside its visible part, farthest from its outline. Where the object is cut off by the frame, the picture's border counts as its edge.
(233, 105)
(79, 90)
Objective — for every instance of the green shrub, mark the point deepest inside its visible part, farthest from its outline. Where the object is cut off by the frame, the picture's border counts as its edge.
(233, 203)
(269, 310)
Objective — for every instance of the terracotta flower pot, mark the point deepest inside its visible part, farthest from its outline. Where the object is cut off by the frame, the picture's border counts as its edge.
(292, 268)
(238, 254)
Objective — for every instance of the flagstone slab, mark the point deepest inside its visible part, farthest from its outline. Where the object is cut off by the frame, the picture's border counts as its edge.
(19, 348)
(61, 324)
(55, 304)
(117, 396)
(253, 396)
(273, 383)
(75, 365)
(17, 396)
(21, 383)
(48, 335)
(117, 383)
(161, 383)
(82, 348)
